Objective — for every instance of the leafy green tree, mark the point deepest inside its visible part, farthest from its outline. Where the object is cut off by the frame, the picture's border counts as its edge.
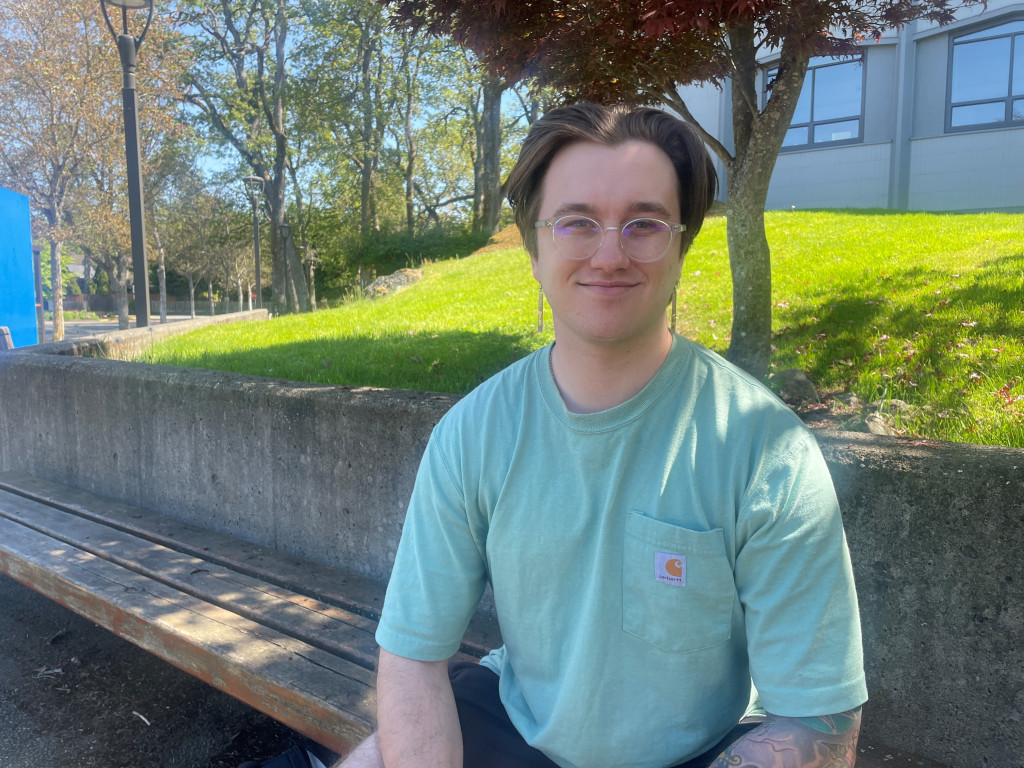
(47, 112)
(68, 280)
(239, 86)
(61, 124)
(387, 143)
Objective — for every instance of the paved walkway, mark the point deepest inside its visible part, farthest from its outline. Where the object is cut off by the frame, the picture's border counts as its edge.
(82, 329)
(72, 694)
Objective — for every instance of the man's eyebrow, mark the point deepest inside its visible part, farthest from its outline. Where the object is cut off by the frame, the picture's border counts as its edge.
(641, 206)
(565, 208)
(650, 206)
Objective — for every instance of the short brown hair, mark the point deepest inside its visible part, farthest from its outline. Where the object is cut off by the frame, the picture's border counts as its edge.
(612, 125)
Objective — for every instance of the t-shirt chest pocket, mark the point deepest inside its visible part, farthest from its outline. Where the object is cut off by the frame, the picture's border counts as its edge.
(678, 590)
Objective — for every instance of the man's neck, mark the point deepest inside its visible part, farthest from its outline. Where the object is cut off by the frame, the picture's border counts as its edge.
(592, 379)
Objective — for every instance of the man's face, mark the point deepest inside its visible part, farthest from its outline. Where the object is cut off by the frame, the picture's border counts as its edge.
(609, 300)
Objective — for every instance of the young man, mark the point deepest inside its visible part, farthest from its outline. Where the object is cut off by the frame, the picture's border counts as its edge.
(658, 529)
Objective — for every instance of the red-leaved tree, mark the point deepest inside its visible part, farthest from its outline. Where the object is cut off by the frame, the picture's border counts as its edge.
(642, 51)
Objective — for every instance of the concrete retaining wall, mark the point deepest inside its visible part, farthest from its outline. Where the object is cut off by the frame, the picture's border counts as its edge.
(324, 472)
(129, 343)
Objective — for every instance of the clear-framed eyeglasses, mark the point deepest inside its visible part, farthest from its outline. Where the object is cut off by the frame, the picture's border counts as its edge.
(580, 237)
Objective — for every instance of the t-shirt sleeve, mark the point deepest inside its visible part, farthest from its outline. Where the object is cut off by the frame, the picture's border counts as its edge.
(795, 581)
(439, 572)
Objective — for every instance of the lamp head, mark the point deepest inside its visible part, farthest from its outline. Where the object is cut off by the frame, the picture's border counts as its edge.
(125, 6)
(254, 183)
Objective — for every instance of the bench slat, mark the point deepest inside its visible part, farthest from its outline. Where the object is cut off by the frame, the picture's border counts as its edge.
(333, 629)
(308, 689)
(331, 585)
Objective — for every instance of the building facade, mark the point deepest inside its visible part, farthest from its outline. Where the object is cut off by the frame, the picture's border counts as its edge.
(927, 118)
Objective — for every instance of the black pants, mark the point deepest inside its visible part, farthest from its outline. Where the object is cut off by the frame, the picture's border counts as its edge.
(489, 740)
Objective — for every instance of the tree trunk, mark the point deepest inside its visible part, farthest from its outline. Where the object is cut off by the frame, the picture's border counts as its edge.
(209, 290)
(758, 134)
(278, 298)
(117, 269)
(370, 136)
(478, 163)
(297, 295)
(302, 217)
(750, 262)
(410, 165)
(191, 295)
(312, 283)
(87, 270)
(311, 269)
(161, 274)
(57, 289)
(491, 200)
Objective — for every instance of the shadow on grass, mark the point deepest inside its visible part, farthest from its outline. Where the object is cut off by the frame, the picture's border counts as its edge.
(930, 309)
(446, 361)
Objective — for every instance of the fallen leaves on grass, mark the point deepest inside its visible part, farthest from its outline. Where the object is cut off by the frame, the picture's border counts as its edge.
(1005, 394)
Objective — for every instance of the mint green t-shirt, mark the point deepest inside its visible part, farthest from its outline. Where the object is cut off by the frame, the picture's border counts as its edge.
(647, 561)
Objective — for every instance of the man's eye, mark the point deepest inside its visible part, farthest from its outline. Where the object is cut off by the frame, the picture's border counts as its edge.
(644, 228)
(645, 224)
(576, 226)
(577, 223)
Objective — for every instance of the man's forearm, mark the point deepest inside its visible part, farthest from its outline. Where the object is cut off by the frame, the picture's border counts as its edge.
(829, 741)
(416, 716)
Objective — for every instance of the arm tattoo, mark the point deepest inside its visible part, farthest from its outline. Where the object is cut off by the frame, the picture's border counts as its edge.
(829, 741)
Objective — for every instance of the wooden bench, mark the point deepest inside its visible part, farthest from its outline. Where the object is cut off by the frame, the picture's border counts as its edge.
(289, 637)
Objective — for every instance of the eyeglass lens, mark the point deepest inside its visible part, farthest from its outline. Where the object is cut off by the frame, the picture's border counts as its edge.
(578, 237)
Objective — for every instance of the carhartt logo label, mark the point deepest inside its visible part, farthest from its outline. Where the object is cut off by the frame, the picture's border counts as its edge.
(670, 568)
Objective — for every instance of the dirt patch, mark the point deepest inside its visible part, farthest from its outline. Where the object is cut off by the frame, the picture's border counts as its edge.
(72, 693)
(504, 240)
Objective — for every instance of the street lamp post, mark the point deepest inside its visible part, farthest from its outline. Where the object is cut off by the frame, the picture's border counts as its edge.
(127, 48)
(255, 187)
(37, 269)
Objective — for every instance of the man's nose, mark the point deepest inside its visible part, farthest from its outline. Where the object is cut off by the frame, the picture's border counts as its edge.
(610, 254)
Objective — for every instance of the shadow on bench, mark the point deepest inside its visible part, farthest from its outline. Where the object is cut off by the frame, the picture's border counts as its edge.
(287, 636)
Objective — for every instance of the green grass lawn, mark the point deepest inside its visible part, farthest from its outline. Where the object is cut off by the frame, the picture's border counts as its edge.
(924, 308)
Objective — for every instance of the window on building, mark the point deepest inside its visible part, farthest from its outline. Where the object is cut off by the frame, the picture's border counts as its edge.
(986, 78)
(830, 109)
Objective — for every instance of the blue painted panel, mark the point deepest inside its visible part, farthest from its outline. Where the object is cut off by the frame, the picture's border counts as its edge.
(17, 283)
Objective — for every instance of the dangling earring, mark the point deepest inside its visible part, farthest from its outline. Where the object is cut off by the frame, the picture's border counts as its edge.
(674, 292)
(540, 309)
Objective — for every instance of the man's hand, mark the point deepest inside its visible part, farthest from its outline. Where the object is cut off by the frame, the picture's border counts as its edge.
(416, 716)
(829, 741)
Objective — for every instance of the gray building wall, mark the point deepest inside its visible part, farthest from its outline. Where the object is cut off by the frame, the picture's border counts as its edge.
(850, 176)
(980, 170)
(710, 107)
(880, 92)
(906, 160)
(853, 176)
(930, 72)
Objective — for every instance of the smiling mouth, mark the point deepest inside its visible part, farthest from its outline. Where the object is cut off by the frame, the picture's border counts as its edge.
(608, 288)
